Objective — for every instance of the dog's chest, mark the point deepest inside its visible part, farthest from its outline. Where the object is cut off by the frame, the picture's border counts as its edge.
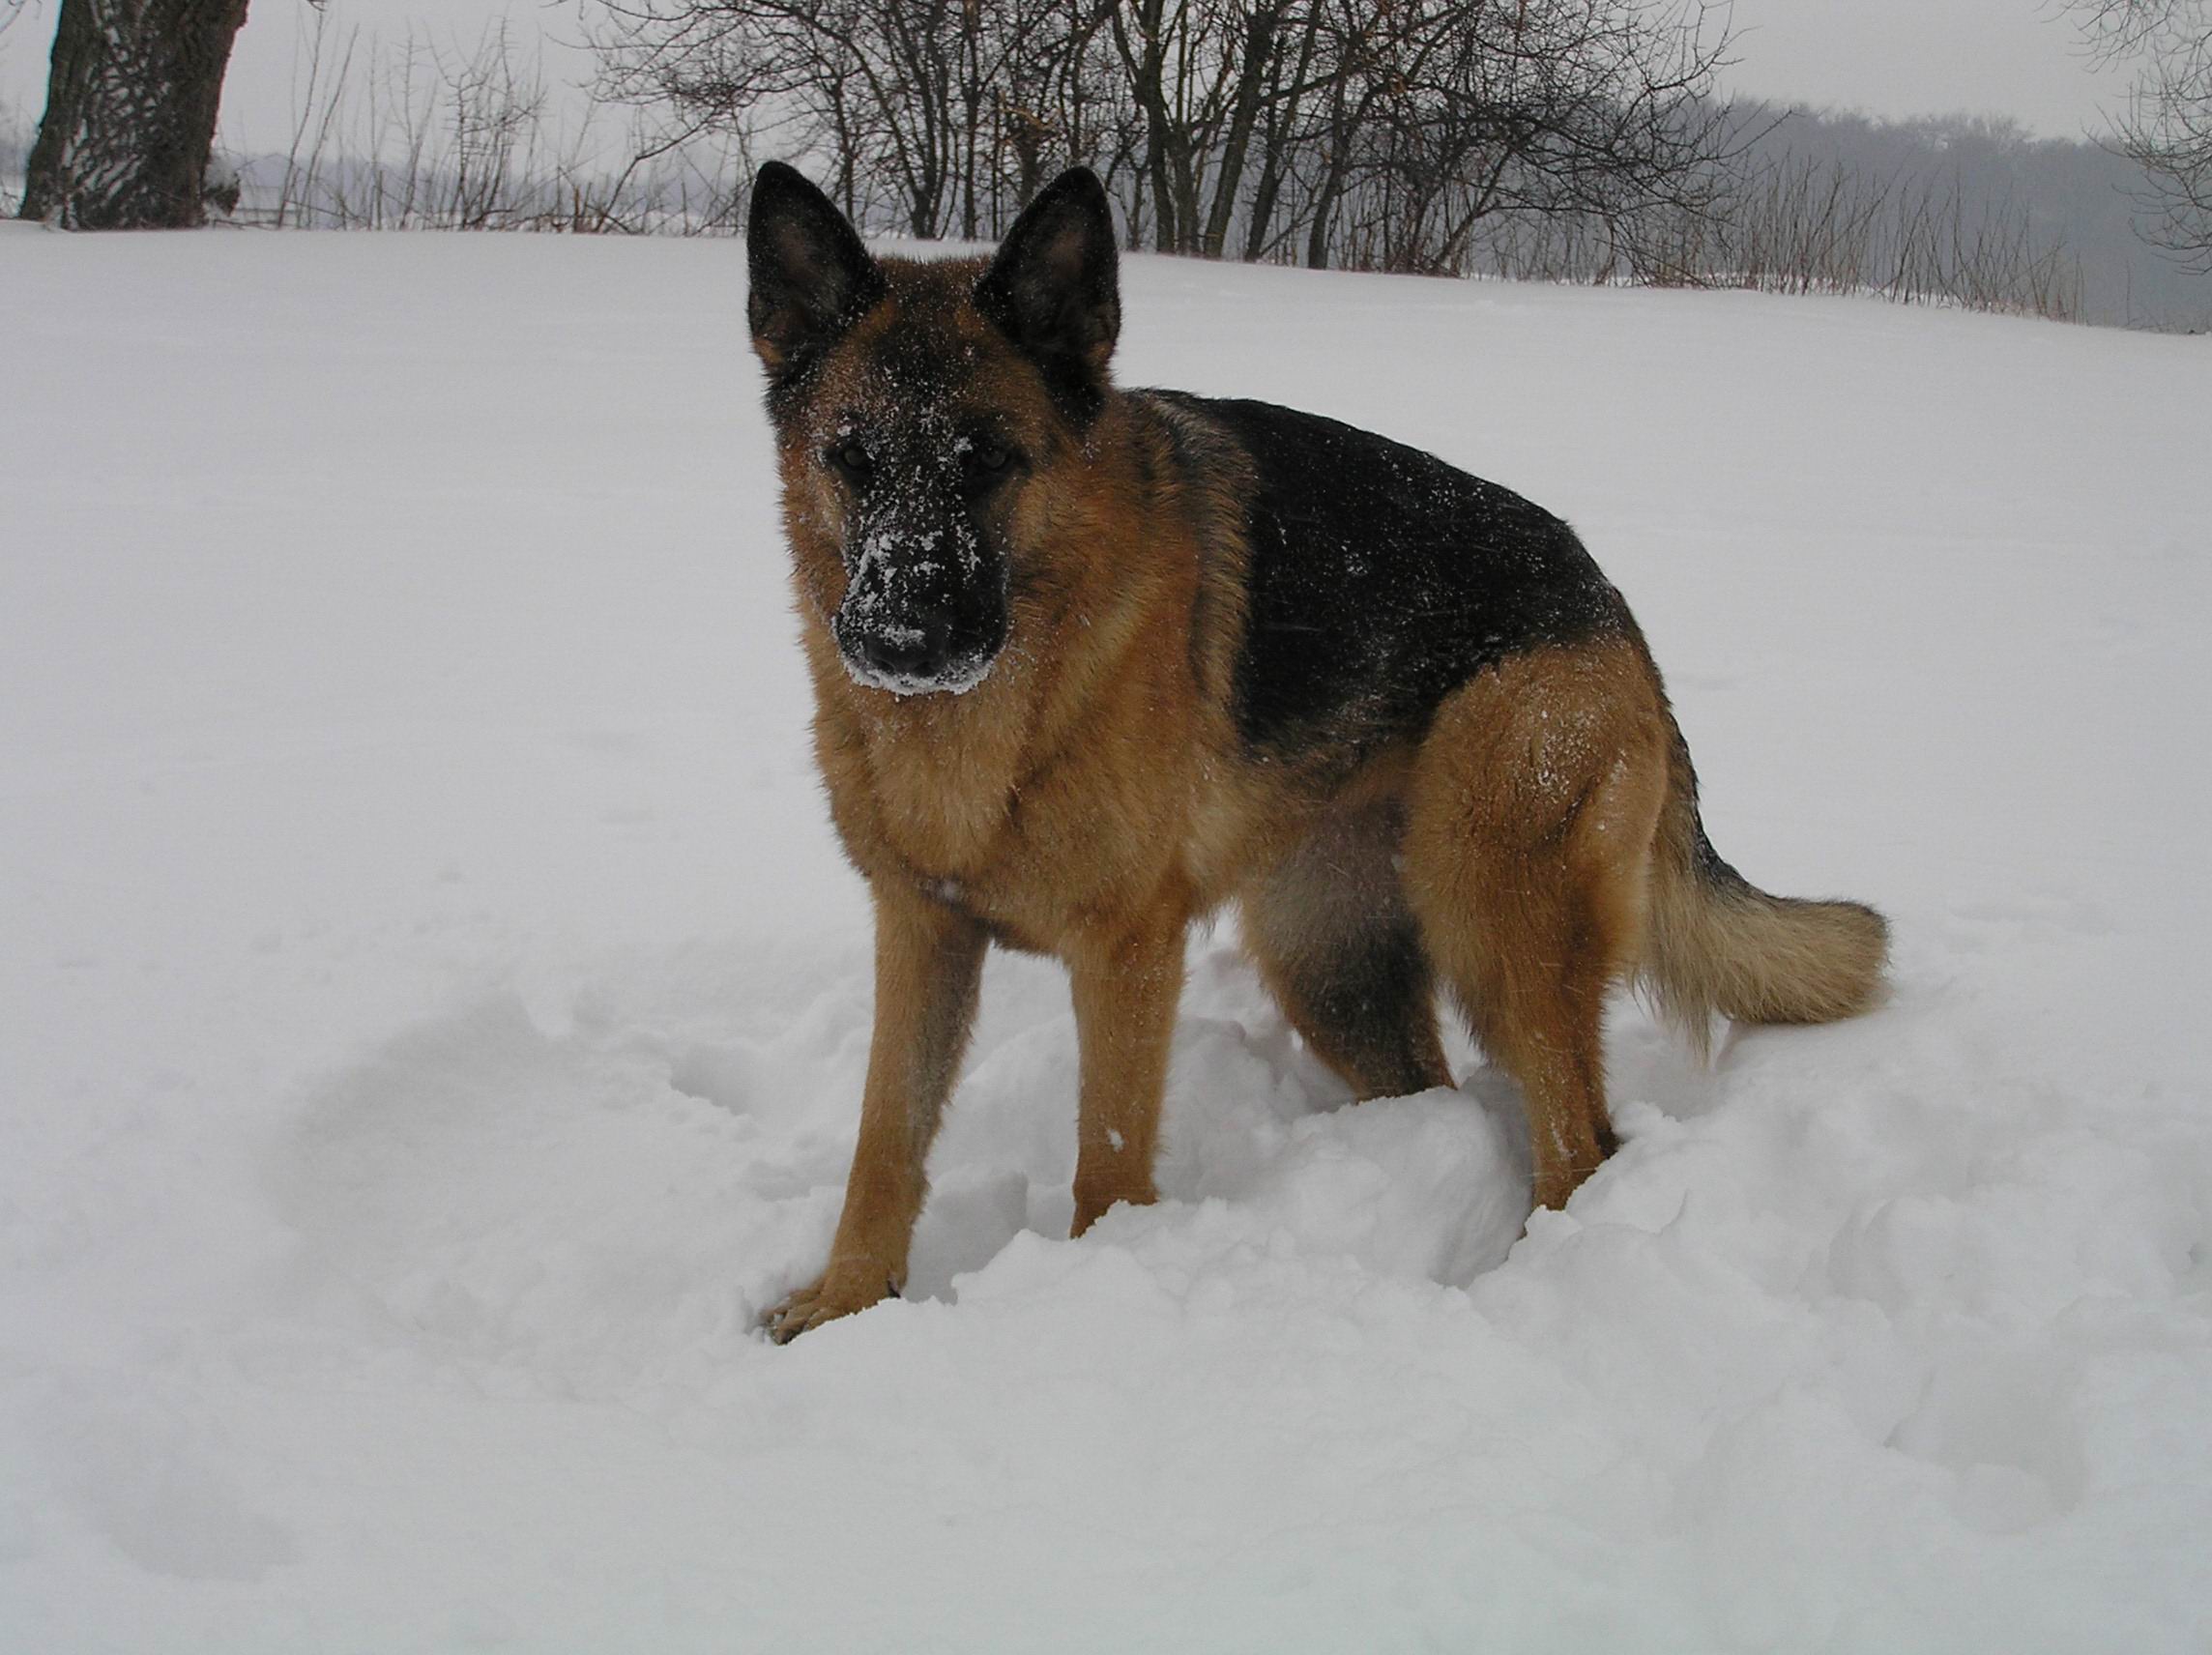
(1029, 853)
(939, 823)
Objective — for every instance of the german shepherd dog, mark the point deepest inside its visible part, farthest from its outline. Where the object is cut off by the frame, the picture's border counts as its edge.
(1090, 663)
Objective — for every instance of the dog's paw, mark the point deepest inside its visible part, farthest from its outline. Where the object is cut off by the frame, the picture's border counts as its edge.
(842, 1290)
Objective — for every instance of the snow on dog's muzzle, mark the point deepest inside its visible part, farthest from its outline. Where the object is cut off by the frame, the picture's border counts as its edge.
(922, 613)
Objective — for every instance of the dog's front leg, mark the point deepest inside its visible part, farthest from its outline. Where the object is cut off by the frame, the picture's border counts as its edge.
(1127, 980)
(929, 959)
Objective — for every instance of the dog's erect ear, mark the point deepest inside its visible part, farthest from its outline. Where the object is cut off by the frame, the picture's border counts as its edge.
(811, 277)
(1054, 287)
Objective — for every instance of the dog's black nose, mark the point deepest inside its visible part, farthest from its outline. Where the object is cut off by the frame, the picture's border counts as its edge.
(918, 645)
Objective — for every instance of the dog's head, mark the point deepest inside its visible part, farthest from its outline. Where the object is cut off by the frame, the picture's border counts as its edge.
(920, 411)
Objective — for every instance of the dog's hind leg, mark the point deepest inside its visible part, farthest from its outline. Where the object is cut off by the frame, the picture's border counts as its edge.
(1329, 929)
(1530, 820)
(929, 962)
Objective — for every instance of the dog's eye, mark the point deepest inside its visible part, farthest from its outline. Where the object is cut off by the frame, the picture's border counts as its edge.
(987, 456)
(853, 461)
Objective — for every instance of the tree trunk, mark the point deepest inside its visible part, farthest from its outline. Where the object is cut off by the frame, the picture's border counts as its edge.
(130, 107)
(1148, 86)
(1336, 167)
(1244, 113)
(1274, 154)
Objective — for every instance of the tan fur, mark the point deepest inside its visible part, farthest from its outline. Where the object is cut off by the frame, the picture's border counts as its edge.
(929, 960)
(1725, 948)
(1528, 856)
(1091, 797)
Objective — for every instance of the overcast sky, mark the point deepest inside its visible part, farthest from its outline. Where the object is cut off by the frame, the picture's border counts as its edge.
(1889, 57)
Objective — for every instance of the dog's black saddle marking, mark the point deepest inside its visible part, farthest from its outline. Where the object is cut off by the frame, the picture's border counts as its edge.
(1381, 579)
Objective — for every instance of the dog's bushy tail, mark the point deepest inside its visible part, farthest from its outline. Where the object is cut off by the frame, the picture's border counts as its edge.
(1716, 942)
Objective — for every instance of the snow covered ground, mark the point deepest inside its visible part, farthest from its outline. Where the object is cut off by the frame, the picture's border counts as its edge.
(432, 1012)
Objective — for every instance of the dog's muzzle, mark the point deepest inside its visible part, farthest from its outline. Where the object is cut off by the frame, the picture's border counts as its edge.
(924, 610)
(930, 646)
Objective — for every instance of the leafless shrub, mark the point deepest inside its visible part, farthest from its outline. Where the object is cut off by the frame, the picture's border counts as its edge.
(1803, 225)
(419, 135)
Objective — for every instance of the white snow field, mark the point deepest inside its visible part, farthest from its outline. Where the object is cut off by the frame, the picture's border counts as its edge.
(434, 1011)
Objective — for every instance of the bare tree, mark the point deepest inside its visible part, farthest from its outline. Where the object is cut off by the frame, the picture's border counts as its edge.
(1197, 71)
(1386, 131)
(130, 109)
(1593, 108)
(919, 105)
(2168, 127)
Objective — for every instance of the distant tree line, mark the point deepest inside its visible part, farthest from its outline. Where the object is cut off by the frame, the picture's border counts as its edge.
(1574, 142)
(2055, 221)
(1557, 139)
(1384, 134)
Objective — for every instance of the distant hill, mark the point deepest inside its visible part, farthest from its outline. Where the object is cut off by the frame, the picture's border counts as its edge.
(2074, 194)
